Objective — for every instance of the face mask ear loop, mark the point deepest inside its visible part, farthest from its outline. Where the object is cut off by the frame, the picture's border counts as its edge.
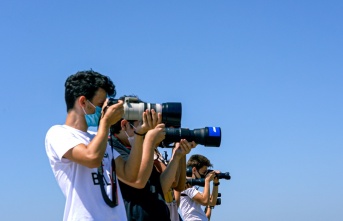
(84, 110)
(133, 126)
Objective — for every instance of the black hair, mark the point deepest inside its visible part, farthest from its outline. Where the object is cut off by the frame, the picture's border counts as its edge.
(86, 83)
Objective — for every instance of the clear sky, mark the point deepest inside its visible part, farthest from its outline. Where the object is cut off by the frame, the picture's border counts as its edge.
(269, 73)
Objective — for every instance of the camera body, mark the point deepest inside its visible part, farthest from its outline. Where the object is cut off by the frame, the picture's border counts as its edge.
(133, 110)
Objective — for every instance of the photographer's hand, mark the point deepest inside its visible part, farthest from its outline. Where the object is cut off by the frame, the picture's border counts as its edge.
(156, 135)
(183, 148)
(210, 176)
(150, 120)
(216, 180)
(112, 114)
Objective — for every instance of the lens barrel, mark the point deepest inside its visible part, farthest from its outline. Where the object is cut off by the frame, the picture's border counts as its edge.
(208, 136)
(196, 182)
(171, 114)
(133, 110)
(225, 176)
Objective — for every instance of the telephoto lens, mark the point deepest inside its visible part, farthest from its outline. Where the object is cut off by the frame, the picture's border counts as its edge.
(133, 110)
(208, 136)
(196, 182)
(225, 176)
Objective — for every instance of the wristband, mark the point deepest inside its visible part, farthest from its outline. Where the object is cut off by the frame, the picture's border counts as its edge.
(216, 184)
(139, 133)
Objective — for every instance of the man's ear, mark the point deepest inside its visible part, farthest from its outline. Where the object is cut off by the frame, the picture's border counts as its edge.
(194, 169)
(123, 123)
(81, 101)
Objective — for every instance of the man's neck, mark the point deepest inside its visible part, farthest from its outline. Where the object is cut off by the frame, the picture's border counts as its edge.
(76, 121)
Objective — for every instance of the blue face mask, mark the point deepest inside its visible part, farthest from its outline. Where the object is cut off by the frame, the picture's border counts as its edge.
(93, 119)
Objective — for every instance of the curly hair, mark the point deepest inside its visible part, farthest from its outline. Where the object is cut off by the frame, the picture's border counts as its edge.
(86, 83)
(198, 161)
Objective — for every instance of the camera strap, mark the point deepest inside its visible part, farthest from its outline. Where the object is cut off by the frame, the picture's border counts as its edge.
(114, 202)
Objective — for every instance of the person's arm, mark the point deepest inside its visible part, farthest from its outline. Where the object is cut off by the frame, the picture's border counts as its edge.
(177, 197)
(204, 197)
(180, 176)
(152, 137)
(142, 152)
(208, 212)
(91, 155)
(214, 194)
(168, 176)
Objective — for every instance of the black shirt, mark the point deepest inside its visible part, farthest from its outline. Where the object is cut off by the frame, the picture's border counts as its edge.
(145, 204)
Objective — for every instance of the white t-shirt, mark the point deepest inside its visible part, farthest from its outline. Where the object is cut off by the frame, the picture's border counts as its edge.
(80, 184)
(190, 209)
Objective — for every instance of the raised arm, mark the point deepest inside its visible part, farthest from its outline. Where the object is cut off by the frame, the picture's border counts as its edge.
(204, 197)
(91, 155)
(168, 176)
(180, 176)
(155, 133)
(214, 194)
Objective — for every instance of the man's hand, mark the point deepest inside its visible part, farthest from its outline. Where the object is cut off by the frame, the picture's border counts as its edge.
(210, 176)
(183, 148)
(157, 134)
(112, 114)
(216, 180)
(150, 120)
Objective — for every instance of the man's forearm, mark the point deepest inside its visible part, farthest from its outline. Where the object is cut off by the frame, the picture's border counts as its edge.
(133, 163)
(168, 176)
(180, 178)
(214, 196)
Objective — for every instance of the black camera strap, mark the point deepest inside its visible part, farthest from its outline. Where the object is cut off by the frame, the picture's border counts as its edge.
(114, 202)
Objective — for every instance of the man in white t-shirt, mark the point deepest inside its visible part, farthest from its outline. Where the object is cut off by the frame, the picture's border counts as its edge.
(85, 166)
(192, 199)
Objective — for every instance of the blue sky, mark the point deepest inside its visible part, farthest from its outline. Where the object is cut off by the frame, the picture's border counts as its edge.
(269, 73)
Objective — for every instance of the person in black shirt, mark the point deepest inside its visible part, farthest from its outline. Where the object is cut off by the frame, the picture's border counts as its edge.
(144, 199)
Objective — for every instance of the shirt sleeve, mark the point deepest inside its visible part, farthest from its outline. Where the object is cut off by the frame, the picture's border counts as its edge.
(191, 192)
(59, 140)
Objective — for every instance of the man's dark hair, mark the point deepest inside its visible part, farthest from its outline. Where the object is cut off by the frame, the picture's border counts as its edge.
(198, 161)
(115, 128)
(86, 83)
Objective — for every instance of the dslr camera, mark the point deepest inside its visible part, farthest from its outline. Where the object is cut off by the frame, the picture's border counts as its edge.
(133, 110)
(201, 181)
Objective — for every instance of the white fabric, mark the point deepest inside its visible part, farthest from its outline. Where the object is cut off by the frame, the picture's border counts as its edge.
(173, 209)
(190, 209)
(78, 183)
